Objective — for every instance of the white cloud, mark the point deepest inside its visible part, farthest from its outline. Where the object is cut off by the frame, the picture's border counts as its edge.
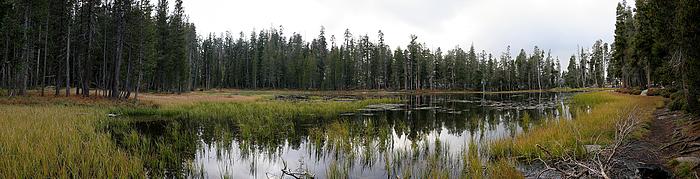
(559, 25)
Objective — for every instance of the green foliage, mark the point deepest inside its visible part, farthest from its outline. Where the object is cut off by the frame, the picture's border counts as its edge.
(656, 45)
(632, 91)
(678, 101)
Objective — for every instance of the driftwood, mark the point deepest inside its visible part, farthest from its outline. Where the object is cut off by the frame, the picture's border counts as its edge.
(602, 163)
(298, 174)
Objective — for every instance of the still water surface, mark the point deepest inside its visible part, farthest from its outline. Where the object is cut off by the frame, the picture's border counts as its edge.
(368, 143)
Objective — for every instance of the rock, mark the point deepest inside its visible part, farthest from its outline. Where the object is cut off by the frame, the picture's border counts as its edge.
(368, 114)
(426, 108)
(347, 114)
(291, 97)
(652, 171)
(454, 112)
(644, 93)
(692, 162)
(381, 107)
(592, 148)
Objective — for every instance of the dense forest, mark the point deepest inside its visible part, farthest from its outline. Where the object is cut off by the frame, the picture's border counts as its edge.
(123, 47)
(118, 48)
(657, 44)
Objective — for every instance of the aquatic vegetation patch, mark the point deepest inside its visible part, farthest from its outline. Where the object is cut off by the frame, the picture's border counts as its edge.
(259, 111)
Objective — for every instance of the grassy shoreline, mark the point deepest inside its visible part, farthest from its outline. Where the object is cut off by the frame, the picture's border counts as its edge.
(60, 142)
(60, 137)
(566, 136)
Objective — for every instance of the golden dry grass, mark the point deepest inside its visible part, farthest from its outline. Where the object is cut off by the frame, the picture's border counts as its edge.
(59, 142)
(195, 97)
(564, 136)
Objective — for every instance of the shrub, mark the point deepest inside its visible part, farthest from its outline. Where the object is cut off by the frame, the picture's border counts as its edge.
(632, 91)
(666, 93)
(678, 101)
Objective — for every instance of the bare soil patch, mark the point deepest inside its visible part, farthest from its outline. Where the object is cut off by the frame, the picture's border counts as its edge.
(671, 134)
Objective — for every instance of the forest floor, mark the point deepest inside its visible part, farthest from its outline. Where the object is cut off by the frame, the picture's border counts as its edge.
(673, 142)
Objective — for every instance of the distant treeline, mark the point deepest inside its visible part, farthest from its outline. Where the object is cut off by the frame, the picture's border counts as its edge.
(658, 44)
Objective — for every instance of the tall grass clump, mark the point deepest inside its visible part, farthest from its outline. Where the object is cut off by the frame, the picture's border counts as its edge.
(473, 168)
(59, 142)
(593, 99)
(561, 136)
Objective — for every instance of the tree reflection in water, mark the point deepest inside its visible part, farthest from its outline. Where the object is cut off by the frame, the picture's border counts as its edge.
(430, 135)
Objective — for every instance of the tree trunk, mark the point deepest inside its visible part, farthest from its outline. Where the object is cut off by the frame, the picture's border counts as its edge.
(24, 69)
(648, 74)
(46, 52)
(104, 54)
(67, 64)
(128, 79)
(88, 66)
(117, 61)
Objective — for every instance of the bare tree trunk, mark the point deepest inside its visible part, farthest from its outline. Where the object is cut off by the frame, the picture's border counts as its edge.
(119, 51)
(24, 68)
(68, 37)
(46, 50)
(140, 75)
(88, 68)
(5, 63)
(648, 74)
(104, 53)
(128, 79)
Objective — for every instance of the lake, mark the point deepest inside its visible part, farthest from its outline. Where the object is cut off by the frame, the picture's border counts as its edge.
(421, 135)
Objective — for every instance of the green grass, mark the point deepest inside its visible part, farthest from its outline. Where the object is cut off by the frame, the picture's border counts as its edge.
(561, 136)
(265, 110)
(59, 142)
(592, 99)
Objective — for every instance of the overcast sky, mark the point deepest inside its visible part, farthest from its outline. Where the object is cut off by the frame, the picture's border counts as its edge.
(491, 25)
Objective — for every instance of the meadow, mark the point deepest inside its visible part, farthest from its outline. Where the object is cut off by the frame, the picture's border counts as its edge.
(64, 137)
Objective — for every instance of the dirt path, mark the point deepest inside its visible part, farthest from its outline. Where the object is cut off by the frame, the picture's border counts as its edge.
(671, 134)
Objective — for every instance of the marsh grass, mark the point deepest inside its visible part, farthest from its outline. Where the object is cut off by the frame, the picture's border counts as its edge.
(567, 136)
(59, 142)
(259, 111)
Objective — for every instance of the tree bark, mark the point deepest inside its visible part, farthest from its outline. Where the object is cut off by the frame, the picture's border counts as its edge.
(24, 68)
(67, 64)
(46, 50)
(128, 79)
(121, 12)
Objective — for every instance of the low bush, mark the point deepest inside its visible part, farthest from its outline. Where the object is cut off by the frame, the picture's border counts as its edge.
(666, 93)
(632, 91)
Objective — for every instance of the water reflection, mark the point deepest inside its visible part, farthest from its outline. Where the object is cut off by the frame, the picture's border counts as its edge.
(429, 134)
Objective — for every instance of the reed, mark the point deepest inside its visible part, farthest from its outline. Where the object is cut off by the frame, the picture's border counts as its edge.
(59, 142)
